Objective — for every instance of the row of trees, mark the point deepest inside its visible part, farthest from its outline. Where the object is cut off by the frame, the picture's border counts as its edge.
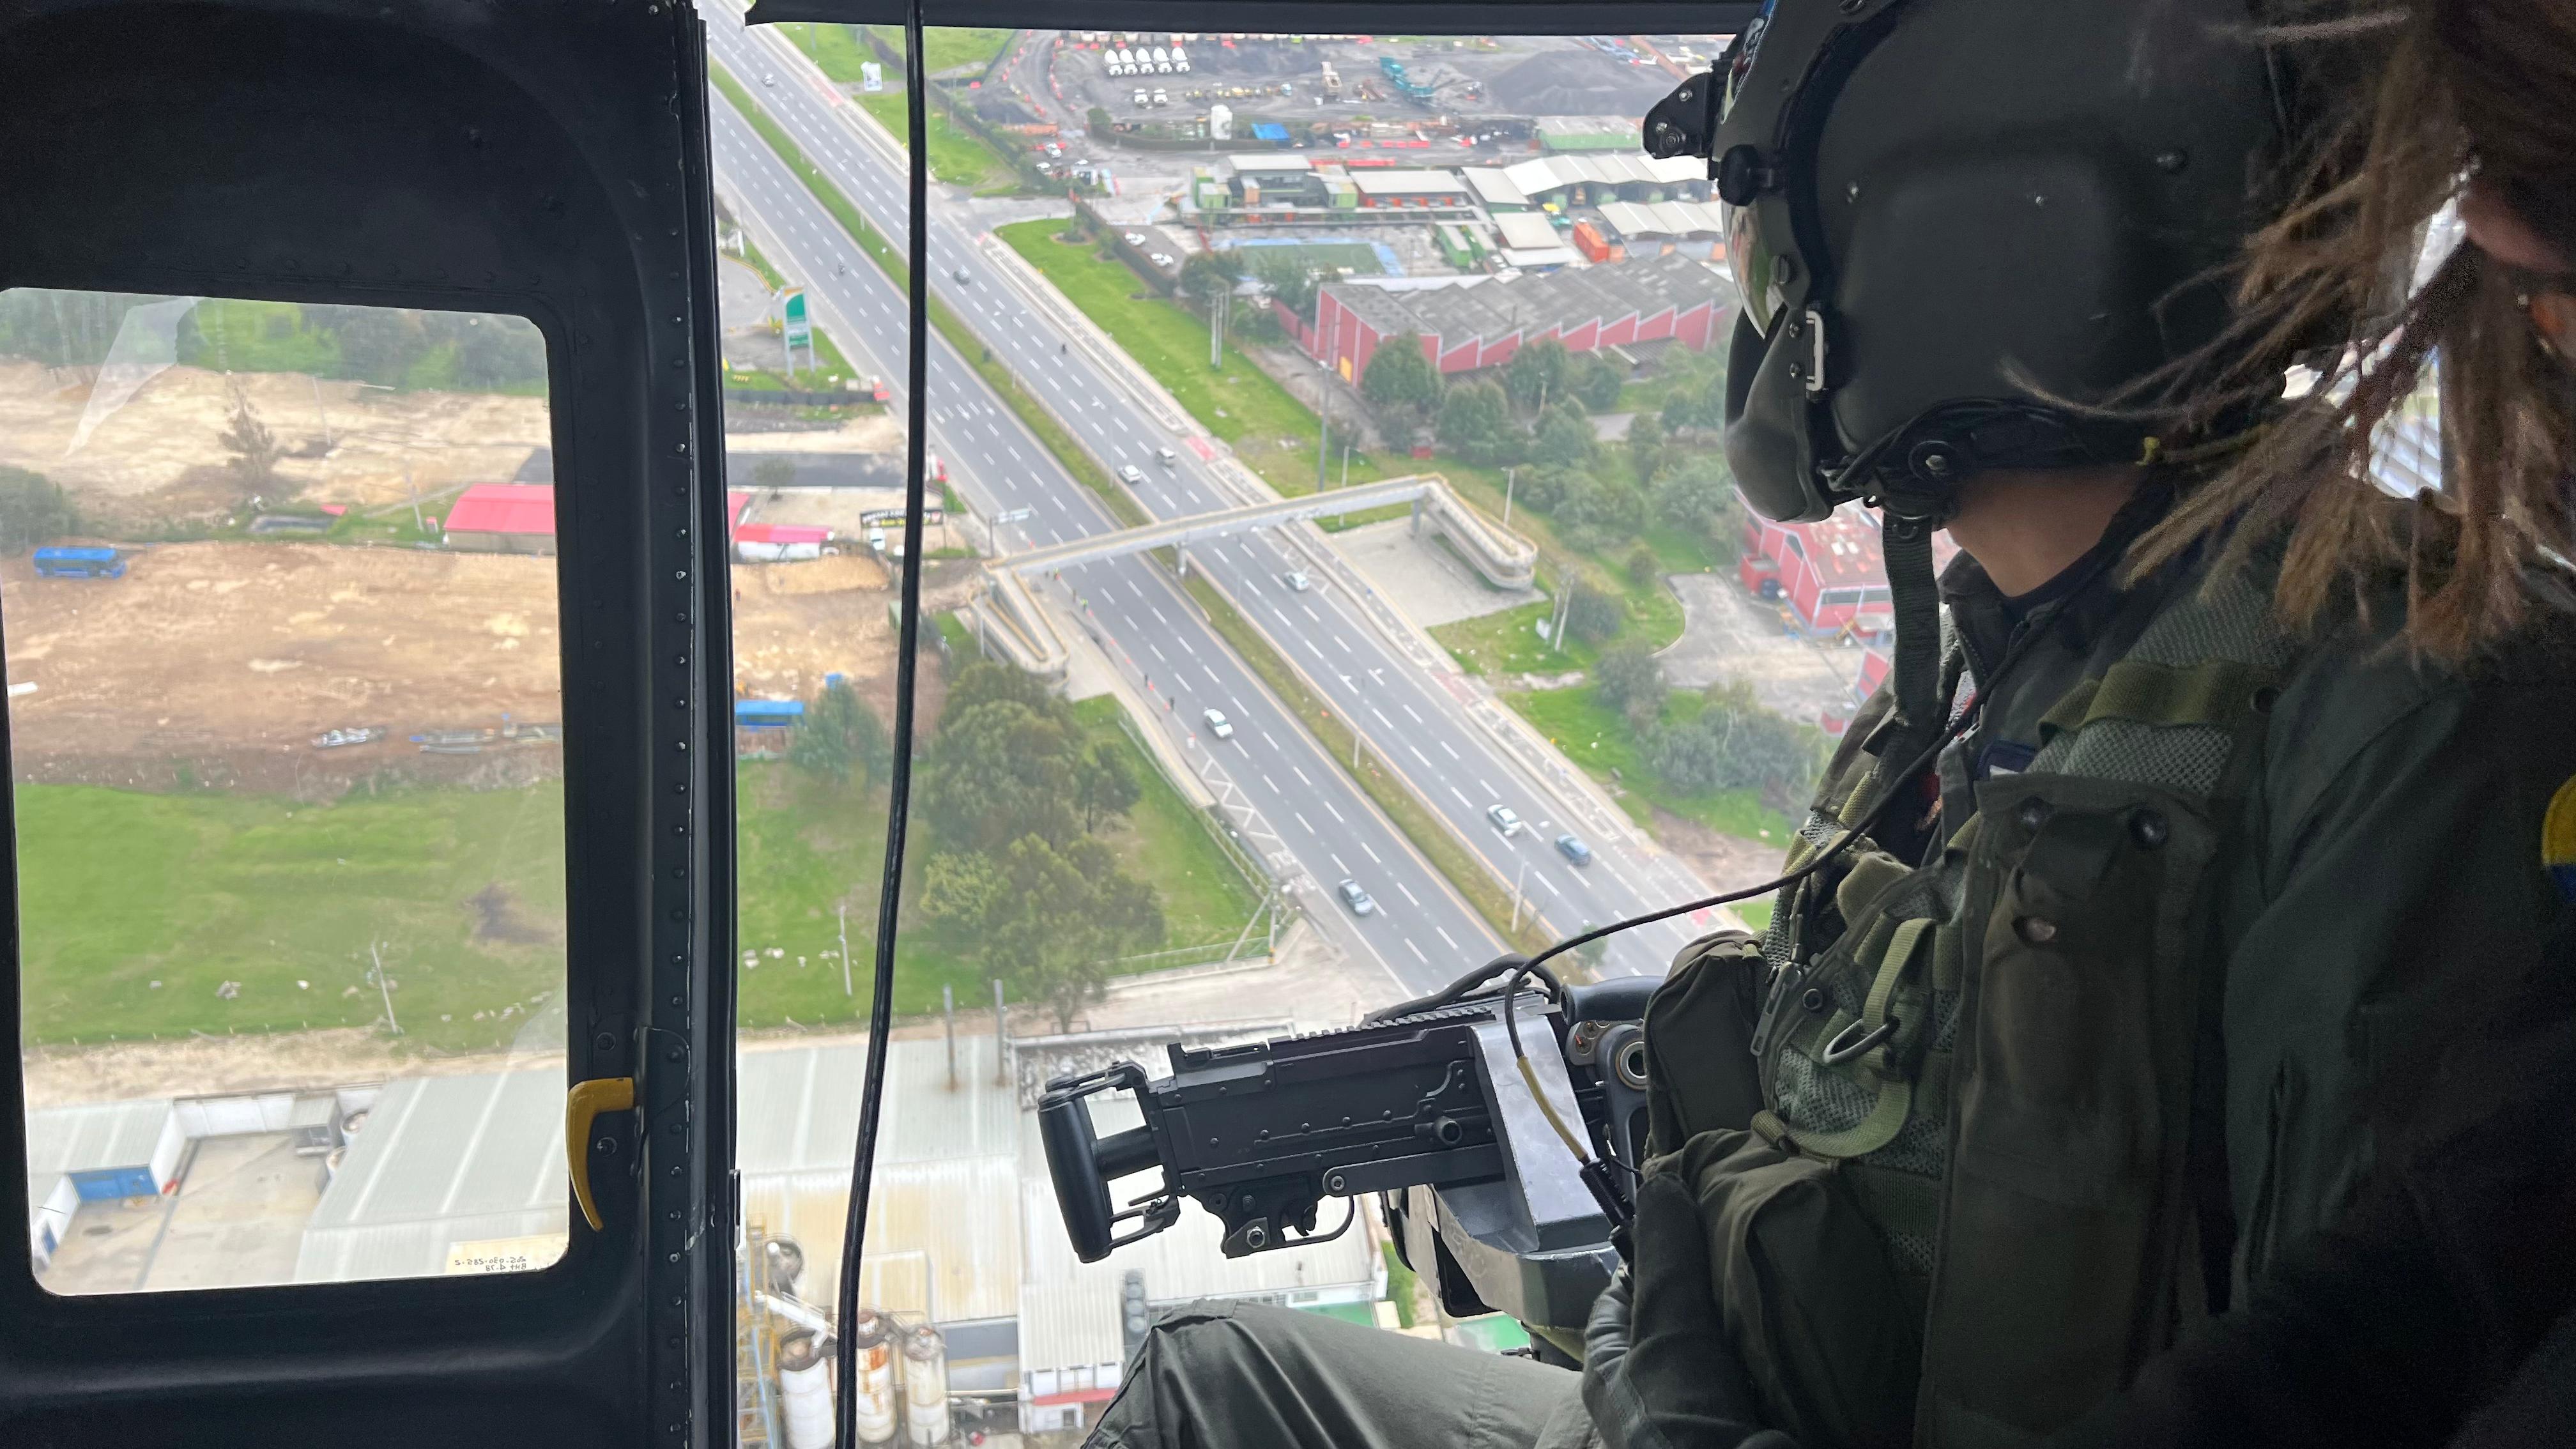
(1731, 743)
(34, 511)
(363, 344)
(1016, 874)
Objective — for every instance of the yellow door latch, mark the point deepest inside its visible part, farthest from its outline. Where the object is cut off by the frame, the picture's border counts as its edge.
(585, 1101)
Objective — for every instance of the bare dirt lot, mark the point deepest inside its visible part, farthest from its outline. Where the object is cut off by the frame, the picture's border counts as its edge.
(225, 660)
(159, 458)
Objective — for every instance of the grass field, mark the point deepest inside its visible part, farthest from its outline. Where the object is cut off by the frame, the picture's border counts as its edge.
(946, 48)
(839, 51)
(1599, 739)
(1268, 427)
(957, 156)
(464, 890)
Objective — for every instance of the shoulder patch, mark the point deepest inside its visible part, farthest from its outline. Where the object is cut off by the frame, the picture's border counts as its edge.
(2558, 839)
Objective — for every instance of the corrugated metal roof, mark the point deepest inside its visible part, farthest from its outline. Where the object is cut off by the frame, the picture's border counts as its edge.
(1407, 183)
(943, 1237)
(504, 508)
(1493, 185)
(93, 1136)
(799, 1106)
(443, 1160)
(1526, 229)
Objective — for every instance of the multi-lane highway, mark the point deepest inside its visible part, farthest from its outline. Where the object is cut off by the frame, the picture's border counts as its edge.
(1409, 718)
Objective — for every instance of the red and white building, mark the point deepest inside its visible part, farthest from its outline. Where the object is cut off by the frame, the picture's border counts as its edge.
(520, 517)
(1831, 574)
(1471, 323)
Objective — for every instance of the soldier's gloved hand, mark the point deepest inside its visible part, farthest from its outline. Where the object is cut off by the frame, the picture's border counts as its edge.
(1658, 1371)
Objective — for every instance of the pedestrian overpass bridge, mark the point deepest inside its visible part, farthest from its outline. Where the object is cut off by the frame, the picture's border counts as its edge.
(1008, 617)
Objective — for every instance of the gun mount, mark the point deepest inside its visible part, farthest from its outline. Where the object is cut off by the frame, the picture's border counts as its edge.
(1428, 1110)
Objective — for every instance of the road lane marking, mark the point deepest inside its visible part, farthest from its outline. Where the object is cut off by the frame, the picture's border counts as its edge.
(1336, 814)
(1444, 935)
(1371, 854)
(1265, 739)
(1408, 710)
(1462, 798)
(1416, 950)
(1301, 819)
(1301, 777)
(1273, 784)
(1408, 895)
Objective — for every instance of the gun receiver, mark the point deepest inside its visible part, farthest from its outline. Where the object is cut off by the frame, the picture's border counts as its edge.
(1261, 1134)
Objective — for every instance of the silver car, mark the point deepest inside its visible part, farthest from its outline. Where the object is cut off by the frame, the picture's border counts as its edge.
(1356, 898)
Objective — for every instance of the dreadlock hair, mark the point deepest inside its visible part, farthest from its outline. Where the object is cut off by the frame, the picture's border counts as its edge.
(2406, 104)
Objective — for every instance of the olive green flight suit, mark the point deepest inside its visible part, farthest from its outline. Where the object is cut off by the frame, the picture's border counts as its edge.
(2370, 882)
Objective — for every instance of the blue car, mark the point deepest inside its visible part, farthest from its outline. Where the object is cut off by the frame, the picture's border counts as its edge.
(1574, 850)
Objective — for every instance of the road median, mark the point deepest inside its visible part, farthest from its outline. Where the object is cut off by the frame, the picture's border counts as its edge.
(1437, 842)
(1024, 405)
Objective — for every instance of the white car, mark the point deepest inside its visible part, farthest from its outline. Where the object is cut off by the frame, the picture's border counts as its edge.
(1161, 259)
(1356, 898)
(1505, 820)
(1131, 475)
(1134, 238)
(769, 78)
(1297, 580)
(1167, 457)
(1218, 725)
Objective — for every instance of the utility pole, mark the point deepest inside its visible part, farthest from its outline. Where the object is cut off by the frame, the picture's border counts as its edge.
(1519, 878)
(1511, 475)
(1324, 445)
(948, 1011)
(1346, 462)
(1216, 329)
(384, 988)
(846, 989)
(322, 413)
(1001, 1036)
(414, 495)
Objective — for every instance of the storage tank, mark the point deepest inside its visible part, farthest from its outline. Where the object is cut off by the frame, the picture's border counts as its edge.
(872, 1336)
(805, 1390)
(925, 1387)
(786, 1264)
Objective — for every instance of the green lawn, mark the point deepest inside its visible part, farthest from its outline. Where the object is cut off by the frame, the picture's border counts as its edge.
(1508, 643)
(463, 891)
(756, 373)
(1269, 428)
(957, 155)
(1598, 738)
(950, 47)
(839, 51)
(1167, 841)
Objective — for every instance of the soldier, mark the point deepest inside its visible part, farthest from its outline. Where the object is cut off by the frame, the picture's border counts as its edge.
(2139, 903)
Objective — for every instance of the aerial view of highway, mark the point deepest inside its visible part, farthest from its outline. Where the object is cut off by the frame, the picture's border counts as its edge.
(1420, 930)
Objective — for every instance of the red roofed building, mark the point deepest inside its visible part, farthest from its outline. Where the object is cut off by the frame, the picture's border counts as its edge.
(1831, 573)
(503, 518)
(520, 517)
(774, 542)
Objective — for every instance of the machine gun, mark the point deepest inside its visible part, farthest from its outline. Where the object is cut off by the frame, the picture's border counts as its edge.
(1432, 1110)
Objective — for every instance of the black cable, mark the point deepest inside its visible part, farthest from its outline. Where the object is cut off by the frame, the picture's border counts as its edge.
(1458, 989)
(845, 1413)
(1985, 690)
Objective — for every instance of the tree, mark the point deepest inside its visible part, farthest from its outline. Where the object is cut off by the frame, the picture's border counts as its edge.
(33, 511)
(773, 472)
(1565, 437)
(1641, 564)
(1291, 281)
(1697, 401)
(1476, 422)
(1054, 919)
(254, 450)
(1630, 681)
(840, 739)
(997, 772)
(1646, 442)
(377, 344)
(1536, 374)
(1592, 616)
(500, 352)
(1736, 744)
(1593, 382)
(1597, 512)
(1698, 493)
(1103, 786)
(1401, 382)
(983, 682)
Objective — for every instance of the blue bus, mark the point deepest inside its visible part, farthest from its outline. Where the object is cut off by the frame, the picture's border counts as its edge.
(79, 563)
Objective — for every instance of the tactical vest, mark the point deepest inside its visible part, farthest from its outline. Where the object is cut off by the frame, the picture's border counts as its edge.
(1973, 1078)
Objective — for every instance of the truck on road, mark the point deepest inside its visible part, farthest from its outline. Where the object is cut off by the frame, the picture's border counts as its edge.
(79, 563)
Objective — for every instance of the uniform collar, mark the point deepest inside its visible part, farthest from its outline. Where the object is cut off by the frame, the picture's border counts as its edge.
(1986, 620)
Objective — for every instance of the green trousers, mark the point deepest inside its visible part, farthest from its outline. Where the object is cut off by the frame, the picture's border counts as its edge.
(1223, 1375)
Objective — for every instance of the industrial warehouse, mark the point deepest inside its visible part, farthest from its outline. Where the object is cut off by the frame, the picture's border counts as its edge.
(1473, 323)
(976, 1308)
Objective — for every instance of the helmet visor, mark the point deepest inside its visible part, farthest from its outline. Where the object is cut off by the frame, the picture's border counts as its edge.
(1748, 255)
